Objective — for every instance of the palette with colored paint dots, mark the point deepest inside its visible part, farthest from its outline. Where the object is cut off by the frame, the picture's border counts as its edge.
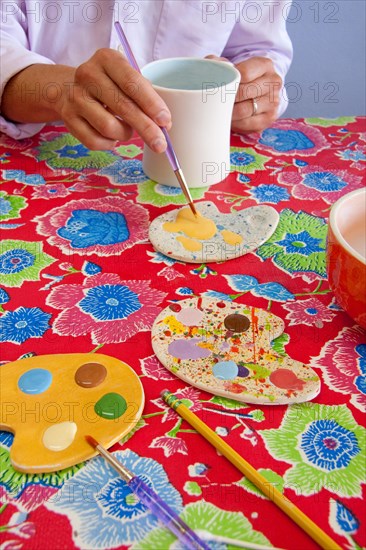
(51, 402)
(226, 349)
(211, 236)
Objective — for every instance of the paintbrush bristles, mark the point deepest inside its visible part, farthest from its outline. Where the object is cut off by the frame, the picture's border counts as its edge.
(92, 442)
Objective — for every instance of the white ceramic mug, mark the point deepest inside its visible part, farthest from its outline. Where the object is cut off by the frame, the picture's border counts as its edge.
(200, 95)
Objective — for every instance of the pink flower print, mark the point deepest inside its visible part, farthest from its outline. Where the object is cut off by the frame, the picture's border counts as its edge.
(106, 226)
(152, 368)
(50, 191)
(104, 306)
(170, 273)
(341, 361)
(310, 184)
(189, 396)
(309, 312)
(170, 445)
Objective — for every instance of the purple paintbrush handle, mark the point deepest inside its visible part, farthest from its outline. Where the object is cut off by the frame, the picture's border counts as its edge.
(172, 157)
(132, 61)
(166, 515)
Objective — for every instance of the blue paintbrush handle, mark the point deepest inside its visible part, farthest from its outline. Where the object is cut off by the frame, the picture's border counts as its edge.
(166, 515)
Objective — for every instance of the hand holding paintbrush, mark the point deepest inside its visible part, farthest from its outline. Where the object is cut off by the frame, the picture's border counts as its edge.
(170, 153)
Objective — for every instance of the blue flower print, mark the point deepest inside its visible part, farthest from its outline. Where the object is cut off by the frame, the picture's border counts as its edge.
(73, 151)
(21, 177)
(324, 181)
(348, 154)
(346, 520)
(167, 190)
(218, 295)
(5, 206)
(13, 261)
(360, 381)
(125, 172)
(4, 296)
(242, 178)
(299, 162)
(91, 227)
(241, 158)
(111, 516)
(301, 243)
(285, 140)
(270, 291)
(23, 323)
(90, 268)
(328, 445)
(269, 193)
(110, 302)
(184, 291)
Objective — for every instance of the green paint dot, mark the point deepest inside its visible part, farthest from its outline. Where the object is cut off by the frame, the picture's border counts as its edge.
(110, 406)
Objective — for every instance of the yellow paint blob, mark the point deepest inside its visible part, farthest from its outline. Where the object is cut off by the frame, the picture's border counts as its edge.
(190, 244)
(196, 227)
(231, 238)
(174, 325)
(59, 436)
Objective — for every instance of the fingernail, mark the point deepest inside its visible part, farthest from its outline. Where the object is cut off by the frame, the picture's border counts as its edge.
(163, 118)
(158, 145)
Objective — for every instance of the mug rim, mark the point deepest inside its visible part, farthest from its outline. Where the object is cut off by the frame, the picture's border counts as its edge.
(229, 65)
(335, 229)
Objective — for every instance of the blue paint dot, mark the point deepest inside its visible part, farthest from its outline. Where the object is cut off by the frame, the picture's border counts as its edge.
(35, 381)
(225, 370)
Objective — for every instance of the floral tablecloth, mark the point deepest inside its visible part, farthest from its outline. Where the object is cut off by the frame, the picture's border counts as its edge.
(73, 220)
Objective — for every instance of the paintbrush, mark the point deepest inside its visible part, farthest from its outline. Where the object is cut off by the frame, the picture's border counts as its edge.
(269, 490)
(170, 153)
(151, 500)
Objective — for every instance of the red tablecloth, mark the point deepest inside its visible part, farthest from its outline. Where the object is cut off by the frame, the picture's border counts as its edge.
(60, 238)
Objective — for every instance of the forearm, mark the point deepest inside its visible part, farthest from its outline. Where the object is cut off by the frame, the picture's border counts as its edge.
(36, 93)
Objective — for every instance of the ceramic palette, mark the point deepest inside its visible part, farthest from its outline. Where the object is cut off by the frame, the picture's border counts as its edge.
(225, 348)
(51, 402)
(212, 236)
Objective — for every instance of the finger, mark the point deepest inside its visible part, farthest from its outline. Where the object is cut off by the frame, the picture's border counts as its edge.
(135, 86)
(254, 68)
(252, 124)
(88, 136)
(108, 97)
(246, 109)
(267, 84)
(216, 58)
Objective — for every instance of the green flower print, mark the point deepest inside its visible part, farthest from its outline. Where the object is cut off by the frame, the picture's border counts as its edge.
(10, 206)
(16, 482)
(272, 478)
(327, 122)
(67, 152)
(130, 150)
(206, 517)
(156, 194)
(298, 244)
(22, 261)
(246, 161)
(325, 447)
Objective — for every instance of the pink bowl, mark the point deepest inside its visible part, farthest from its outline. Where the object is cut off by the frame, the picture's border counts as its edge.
(346, 254)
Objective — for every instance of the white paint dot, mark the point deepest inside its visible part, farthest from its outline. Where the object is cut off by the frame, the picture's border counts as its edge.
(59, 436)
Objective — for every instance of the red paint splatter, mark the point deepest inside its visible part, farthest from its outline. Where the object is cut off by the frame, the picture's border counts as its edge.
(286, 380)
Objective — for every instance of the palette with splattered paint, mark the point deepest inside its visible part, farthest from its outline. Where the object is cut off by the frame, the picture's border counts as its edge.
(212, 236)
(51, 402)
(226, 349)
